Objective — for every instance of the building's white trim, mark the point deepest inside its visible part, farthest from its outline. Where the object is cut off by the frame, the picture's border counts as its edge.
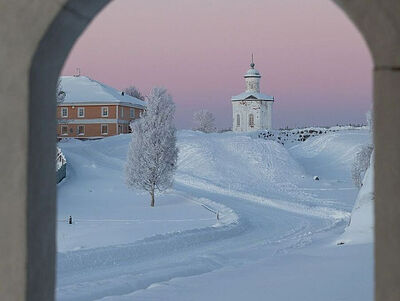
(116, 125)
(87, 121)
(96, 103)
(92, 121)
(124, 121)
(82, 137)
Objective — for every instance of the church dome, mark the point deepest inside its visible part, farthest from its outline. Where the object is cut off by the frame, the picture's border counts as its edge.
(252, 72)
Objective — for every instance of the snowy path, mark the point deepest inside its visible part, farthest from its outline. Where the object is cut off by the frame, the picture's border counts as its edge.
(280, 211)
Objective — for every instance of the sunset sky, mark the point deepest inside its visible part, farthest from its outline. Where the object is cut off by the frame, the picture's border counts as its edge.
(311, 57)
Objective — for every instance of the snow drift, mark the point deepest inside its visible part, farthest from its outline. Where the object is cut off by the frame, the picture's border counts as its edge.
(361, 227)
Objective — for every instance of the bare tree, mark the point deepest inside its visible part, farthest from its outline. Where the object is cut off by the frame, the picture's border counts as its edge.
(361, 164)
(60, 94)
(134, 92)
(152, 154)
(204, 121)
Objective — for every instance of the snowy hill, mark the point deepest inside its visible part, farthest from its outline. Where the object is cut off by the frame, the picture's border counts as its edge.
(278, 222)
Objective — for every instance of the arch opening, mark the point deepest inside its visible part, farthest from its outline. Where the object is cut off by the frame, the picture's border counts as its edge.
(44, 71)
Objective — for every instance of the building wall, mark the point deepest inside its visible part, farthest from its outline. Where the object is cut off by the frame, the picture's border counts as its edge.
(90, 130)
(117, 121)
(261, 110)
(91, 111)
(252, 84)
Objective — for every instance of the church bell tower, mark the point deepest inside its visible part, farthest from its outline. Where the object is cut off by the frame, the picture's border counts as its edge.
(252, 110)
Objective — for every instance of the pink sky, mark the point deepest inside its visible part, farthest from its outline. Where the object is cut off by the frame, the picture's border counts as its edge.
(311, 57)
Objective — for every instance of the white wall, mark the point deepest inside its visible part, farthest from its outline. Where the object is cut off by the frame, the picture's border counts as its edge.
(262, 111)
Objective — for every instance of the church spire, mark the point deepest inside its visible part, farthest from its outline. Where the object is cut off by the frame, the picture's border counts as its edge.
(252, 62)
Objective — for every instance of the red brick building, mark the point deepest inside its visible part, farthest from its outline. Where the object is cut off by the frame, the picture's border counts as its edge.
(92, 109)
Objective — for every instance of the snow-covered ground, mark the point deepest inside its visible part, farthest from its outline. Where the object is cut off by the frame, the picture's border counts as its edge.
(275, 240)
(105, 212)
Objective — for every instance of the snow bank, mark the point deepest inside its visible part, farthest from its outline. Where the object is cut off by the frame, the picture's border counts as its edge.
(361, 227)
(330, 156)
(226, 215)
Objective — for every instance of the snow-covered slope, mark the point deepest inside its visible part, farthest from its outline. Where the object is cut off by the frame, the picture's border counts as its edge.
(104, 210)
(279, 237)
(236, 162)
(361, 227)
(330, 156)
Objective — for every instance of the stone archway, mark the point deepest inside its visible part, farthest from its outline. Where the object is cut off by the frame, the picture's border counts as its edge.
(36, 38)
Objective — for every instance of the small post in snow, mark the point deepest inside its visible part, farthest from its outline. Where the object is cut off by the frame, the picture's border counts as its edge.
(217, 215)
(70, 220)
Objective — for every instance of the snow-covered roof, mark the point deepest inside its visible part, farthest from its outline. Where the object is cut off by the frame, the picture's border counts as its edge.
(252, 73)
(252, 96)
(82, 89)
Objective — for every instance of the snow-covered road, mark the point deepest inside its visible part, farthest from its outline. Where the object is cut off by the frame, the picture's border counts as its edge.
(282, 216)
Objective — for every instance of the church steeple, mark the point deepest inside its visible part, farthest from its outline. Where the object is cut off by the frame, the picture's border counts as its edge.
(252, 110)
(252, 78)
(252, 62)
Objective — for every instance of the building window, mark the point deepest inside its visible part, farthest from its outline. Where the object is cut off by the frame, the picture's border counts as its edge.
(64, 130)
(81, 112)
(122, 112)
(104, 112)
(64, 112)
(251, 120)
(104, 129)
(237, 120)
(81, 130)
(132, 112)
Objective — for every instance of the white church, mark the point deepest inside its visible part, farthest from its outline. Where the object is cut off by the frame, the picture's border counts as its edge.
(252, 110)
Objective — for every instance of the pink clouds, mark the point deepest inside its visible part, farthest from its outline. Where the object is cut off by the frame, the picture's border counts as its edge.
(311, 57)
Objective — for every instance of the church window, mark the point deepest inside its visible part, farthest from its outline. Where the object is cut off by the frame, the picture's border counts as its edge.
(251, 120)
(237, 120)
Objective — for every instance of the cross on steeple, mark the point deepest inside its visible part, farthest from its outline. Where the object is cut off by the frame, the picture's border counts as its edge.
(252, 61)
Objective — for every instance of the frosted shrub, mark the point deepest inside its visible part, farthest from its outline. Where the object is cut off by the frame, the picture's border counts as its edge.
(204, 121)
(152, 154)
(361, 164)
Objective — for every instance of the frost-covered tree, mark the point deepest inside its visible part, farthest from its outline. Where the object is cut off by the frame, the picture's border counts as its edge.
(152, 154)
(60, 94)
(134, 92)
(204, 121)
(361, 164)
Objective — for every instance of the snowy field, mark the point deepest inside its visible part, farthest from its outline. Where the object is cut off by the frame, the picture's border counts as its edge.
(275, 240)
